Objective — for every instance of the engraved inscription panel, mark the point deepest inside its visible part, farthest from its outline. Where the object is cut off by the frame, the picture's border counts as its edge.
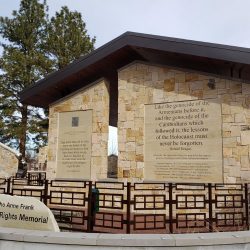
(183, 141)
(74, 144)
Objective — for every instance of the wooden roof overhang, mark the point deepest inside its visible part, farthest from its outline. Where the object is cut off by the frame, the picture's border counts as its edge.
(220, 60)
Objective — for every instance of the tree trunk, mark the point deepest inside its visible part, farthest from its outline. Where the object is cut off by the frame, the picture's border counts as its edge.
(22, 142)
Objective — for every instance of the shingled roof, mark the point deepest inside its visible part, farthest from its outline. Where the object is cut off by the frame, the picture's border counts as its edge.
(220, 60)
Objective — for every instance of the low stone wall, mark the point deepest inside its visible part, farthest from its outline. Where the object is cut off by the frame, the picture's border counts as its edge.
(27, 239)
(8, 161)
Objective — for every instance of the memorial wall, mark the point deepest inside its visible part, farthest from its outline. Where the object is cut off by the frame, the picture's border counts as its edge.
(183, 141)
(78, 134)
(74, 144)
(182, 126)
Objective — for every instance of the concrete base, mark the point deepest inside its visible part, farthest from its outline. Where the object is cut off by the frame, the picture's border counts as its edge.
(15, 239)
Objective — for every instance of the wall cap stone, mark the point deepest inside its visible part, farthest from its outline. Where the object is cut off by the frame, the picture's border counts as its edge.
(125, 240)
(17, 154)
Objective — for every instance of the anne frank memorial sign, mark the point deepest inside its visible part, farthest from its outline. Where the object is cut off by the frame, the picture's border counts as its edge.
(183, 141)
(74, 144)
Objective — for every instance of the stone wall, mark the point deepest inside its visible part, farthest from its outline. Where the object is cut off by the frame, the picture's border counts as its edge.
(42, 155)
(96, 98)
(8, 161)
(141, 84)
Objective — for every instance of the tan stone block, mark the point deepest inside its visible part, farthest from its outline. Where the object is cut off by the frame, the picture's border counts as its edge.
(227, 152)
(204, 77)
(130, 156)
(197, 93)
(232, 161)
(123, 164)
(240, 118)
(235, 130)
(126, 173)
(247, 101)
(191, 77)
(197, 85)
(236, 108)
(122, 116)
(120, 172)
(121, 146)
(132, 173)
(229, 142)
(227, 98)
(129, 124)
(245, 137)
(139, 149)
(130, 146)
(235, 172)
(245, 88)
(245, 176)
(230, 179)
(180, 77)
(50, 154)
(244, 161)
(227, 118)
(139, 140)
(242, 150)
(183, 87)
(221, 84)
(238, 139)
(222, 91)
(169, 85)
(128, 107)
(85, 99)
(235, 87)
(226, 133)
(211, 93)
(139, 158)
(139, 164)
(139, 173)
(63, 108)
(225, 109)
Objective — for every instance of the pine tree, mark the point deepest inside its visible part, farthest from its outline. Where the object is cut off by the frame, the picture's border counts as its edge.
(23, 62)
(34, 46)
(67, 38)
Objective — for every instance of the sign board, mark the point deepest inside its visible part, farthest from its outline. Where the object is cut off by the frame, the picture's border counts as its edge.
(74, 144)
(27, 213)
(183, 142)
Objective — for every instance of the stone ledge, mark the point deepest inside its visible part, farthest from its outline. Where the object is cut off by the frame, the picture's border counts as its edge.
(125, 240)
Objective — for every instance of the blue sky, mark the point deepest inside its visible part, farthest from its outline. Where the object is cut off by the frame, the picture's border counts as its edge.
(218, 21)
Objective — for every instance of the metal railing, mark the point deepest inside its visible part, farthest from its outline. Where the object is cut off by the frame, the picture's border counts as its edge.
(118, 207)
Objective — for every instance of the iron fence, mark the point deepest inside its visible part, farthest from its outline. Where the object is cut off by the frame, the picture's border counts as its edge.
(117, 207)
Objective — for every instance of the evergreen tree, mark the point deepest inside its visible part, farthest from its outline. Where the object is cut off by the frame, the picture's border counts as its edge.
(67, 38)
(33, 47)
(23, 62)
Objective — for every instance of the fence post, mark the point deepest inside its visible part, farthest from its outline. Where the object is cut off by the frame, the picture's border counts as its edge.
(170, 193)
(8, 186)
(210, 205)
(89, 218)
(46, 192)
(40, 179)
(128, 207)
(28, 183)
(246, 205)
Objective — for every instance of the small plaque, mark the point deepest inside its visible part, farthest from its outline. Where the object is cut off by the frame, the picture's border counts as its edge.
(75, 121)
